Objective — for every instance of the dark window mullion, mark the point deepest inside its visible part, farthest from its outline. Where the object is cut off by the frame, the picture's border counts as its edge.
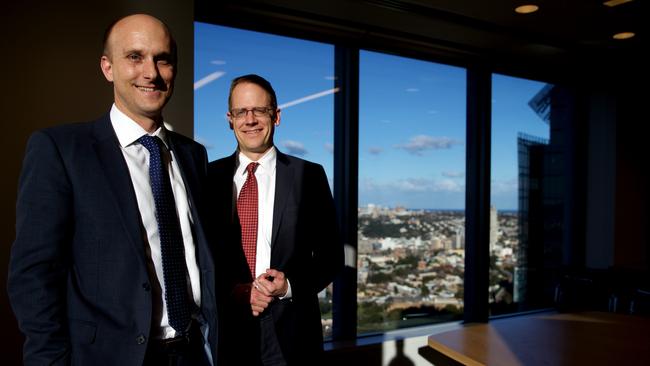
(346, 169)
(477, 194)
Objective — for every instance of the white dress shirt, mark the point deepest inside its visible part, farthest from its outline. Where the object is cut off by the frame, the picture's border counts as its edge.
(137, 159)
(265, 175)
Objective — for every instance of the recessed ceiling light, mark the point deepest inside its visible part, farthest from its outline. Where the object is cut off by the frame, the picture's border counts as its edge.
(623, 35)
(526, 9)
(613, 3)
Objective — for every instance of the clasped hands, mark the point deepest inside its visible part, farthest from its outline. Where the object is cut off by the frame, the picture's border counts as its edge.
(264, 289)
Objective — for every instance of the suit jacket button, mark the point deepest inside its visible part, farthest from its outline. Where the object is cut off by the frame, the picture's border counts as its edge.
(146, 286)
(141, 339)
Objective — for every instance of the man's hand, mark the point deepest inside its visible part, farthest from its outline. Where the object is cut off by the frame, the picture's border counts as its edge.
(273, 283)
(259, 301)
(246, 294)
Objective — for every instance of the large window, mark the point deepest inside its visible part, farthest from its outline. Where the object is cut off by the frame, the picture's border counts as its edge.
(412, 130)
(411, 192)
(301, 73)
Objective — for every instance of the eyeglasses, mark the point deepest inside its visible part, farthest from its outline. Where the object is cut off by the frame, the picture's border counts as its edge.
(239, 113)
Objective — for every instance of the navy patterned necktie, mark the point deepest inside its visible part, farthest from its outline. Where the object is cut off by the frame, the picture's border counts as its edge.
(171, 238)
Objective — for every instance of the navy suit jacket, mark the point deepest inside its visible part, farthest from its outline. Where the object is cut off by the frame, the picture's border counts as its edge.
(305, 245)
(78, 279)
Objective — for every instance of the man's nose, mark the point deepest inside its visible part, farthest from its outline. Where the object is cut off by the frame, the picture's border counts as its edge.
(150, 70)
(249, 116)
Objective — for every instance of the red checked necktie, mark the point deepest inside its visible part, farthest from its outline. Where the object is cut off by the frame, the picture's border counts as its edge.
(247, 211)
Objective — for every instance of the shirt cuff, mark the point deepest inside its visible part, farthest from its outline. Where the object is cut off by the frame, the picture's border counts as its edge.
(288, 294)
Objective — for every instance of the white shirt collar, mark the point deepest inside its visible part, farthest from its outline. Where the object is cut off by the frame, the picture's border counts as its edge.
(267, 161)
(128, 131)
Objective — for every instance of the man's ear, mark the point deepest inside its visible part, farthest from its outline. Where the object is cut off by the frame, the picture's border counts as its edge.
(277, 117)
(229, 121)
(107, 68)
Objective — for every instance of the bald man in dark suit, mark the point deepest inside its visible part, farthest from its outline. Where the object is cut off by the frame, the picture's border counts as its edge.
(110, 265)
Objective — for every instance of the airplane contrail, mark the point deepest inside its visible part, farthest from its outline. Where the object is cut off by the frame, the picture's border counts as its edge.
(208, 79)
(307, 98)
(216, 75)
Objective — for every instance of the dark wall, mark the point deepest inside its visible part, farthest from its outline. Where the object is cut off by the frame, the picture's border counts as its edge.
(632, 239)
(50, 75)
(601, 178)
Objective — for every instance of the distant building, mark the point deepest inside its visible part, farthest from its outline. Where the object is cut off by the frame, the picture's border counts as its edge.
(422, 265)
(436, 243)
(494, 228)
(542, 202)
(460, 238)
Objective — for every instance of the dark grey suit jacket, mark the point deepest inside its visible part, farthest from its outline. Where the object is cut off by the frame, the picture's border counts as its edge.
(305, 245)
(78, 280)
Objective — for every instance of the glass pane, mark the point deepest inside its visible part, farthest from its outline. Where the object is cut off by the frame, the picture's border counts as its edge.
(411, 192)
(301, 73)
(526, 217)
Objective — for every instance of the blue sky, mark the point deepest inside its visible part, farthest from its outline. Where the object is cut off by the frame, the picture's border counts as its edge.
(411, 115)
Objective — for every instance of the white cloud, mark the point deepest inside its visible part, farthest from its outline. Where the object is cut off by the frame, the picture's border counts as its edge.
(447, 185)
(204, 142)
(420, 143)
(218, 62)
(504, 186)
(329, 147)
(413, 185)
(294, 147)
(427, 185)
(330, 77)
(375, 150)
(452, 174)
(412, 90)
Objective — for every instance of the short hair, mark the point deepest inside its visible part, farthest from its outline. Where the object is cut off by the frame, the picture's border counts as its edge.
(257, 80)
(109, 30)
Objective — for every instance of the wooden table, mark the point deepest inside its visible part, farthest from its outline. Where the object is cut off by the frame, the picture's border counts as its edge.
(589, 338)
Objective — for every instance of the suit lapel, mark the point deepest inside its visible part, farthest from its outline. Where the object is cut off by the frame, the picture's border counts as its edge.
(230, 198)
(283, 185)
(119, 180)
(187, 167)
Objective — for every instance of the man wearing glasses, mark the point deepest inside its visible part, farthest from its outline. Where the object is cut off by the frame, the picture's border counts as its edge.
(278, 238)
